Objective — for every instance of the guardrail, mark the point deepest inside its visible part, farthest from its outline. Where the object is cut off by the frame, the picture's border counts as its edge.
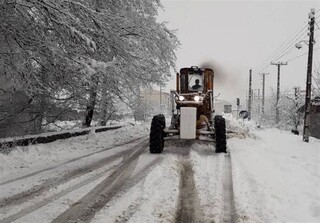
(7, 144)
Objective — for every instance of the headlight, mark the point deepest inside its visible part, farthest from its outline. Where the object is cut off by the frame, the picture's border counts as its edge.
(196, 98)
(181, 98)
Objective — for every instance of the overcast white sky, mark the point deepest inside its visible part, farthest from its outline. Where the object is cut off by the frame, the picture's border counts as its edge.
(234, 36)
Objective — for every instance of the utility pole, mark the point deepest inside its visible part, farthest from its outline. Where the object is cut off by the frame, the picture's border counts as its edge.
(255, 100)
(263, 89)
(306, 126)
(238, 107)
(250, 94)
(258, 103)
(296, 95)
(160, 98)
(279, 64)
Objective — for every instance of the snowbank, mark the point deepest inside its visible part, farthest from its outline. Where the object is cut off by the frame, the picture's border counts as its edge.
(34, 157)
(276, 177)
(239, 128)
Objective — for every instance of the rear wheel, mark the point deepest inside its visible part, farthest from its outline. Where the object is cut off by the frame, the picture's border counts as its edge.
(220, 132)
(156, 140)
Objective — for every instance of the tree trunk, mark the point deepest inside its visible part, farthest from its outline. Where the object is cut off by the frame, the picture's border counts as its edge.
(91, 104)
(104, 102)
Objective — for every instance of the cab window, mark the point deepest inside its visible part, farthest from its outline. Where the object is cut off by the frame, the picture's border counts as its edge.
(195, 82)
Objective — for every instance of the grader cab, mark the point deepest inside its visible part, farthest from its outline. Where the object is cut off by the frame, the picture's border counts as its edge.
(192, 112)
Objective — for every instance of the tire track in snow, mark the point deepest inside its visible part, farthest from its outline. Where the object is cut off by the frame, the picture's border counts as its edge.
(189, 205)
(56, 181)
(68, 161)
(141, 147)
(136, 204)
(85, 209)
(228, 215)
(48, 200)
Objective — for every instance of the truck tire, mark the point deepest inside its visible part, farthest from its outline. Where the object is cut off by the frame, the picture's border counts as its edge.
(156, 139)
(220, 133)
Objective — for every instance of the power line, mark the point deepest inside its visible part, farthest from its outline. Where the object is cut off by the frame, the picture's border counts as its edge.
(296, 38)
(302, 55)
(285, 49)
(289, 46)
(285, 52)
(284, 45)
(288, 52)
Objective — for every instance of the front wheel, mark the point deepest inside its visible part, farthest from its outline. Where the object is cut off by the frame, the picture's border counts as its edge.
(220, 132)
(156, 139)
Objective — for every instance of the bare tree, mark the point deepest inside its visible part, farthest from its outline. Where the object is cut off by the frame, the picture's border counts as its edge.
(316, 80)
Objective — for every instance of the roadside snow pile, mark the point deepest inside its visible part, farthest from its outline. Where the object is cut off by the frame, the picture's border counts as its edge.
(63, 125)
(46, 155)
(276, 177)
(238, 128)
(130, 132)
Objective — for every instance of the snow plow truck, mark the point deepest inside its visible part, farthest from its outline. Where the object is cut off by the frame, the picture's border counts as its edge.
(193, 115)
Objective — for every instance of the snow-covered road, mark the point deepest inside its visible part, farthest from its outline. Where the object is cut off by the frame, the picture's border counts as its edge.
(111, 177)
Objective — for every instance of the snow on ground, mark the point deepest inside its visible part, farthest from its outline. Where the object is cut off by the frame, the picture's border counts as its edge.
(52, 210)
(156, 197)
(208, 175)
(153, 199)
(276, 177)
(42, 165)
(60, 193)
(63, 125)
(238, 127)
(75, 124)
(25, 159)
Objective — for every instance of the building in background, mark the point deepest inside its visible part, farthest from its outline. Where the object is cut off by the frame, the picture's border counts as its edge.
(152, 102)
(315, 118)
(222, 106)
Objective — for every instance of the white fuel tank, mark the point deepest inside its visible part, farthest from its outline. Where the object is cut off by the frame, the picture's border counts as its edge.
(188, 123)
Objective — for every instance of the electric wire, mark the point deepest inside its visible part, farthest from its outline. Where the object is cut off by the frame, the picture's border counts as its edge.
(286, 48)
(290, 45)
(282, 46)
(282, 49)
(315, 49)
(285, 51)
(294, 36)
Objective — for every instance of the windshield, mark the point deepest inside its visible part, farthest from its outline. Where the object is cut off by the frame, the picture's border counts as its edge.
(195, 82)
